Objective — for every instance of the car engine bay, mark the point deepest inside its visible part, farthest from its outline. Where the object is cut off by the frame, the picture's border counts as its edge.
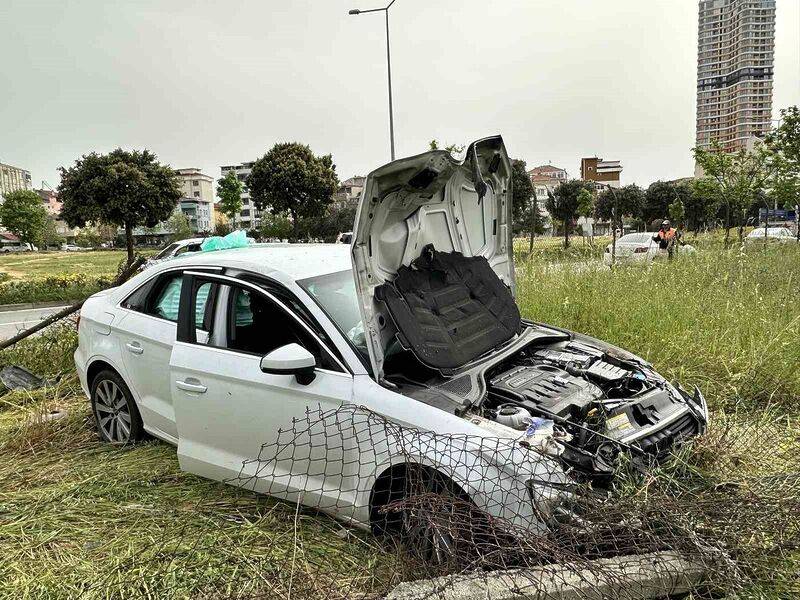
(461, 345)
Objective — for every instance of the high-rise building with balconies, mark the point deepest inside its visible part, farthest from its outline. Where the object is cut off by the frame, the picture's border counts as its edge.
(735, 57)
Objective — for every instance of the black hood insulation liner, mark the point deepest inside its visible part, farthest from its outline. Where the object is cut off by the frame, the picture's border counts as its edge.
(449, 309)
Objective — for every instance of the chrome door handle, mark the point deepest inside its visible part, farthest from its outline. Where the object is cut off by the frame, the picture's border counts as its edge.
(189, 386)
(134, 347)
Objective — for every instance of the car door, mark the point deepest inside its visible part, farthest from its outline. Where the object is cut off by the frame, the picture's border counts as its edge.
(237, 424)
(146, 334)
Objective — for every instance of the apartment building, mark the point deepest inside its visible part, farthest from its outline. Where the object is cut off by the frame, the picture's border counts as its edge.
(197, 201)
(602, 171)
(14, 178)
(735, 65)
(249, 217)
(349, 192)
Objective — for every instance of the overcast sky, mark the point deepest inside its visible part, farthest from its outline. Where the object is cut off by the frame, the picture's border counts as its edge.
(207, 84)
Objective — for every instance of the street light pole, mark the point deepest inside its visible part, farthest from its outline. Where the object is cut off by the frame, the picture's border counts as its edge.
(613, 223)
(356, 11)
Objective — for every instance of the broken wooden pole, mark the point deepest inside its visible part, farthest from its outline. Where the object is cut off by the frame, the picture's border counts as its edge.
(65, 312)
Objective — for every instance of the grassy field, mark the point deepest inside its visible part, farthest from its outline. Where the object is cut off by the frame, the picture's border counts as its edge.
(26, 265)
(78, 518)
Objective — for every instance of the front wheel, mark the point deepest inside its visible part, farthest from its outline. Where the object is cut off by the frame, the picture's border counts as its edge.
(115, 412)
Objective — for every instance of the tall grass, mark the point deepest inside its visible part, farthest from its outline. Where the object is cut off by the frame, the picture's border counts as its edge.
(726, 320)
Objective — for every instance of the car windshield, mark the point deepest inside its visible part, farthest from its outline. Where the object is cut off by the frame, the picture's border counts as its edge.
(167, 251)
(336, 295)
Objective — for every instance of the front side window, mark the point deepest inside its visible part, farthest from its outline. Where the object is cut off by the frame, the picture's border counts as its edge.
(257, 325)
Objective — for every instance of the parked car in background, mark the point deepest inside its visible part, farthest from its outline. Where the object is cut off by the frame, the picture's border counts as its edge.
(639, 247)
(175, 249)
(14, 248)
(344, 238)
(771, 234)
(219, 352)
(73, 248)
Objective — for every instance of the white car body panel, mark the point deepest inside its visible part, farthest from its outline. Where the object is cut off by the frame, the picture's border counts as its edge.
(224, 414)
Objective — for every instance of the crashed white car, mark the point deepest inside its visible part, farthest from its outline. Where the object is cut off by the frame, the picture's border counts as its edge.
(219, 352)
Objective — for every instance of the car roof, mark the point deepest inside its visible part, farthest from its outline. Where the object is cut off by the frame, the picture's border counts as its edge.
(298, 261)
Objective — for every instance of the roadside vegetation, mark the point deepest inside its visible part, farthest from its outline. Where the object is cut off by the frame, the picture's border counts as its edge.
(80, 518)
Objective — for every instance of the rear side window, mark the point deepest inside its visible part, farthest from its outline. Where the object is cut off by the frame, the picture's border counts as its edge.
(161, 298)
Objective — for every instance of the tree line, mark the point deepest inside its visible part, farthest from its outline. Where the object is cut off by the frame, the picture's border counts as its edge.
(734, 187)
(294, 190)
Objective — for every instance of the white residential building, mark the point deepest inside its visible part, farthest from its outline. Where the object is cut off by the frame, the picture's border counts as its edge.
(198, 198)
(14, 178)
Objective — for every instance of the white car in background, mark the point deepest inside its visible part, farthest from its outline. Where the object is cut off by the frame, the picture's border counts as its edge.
(640, 247)
(175, 249)
(772, 234)
(226, 353)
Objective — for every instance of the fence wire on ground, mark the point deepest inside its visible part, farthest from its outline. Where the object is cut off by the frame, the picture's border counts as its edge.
(718, 518)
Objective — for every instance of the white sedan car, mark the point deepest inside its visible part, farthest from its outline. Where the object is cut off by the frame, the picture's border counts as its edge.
(639, 247)
(771, 234)
(226, 353)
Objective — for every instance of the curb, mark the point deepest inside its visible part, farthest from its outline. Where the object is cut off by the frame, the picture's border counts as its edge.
(32, 305)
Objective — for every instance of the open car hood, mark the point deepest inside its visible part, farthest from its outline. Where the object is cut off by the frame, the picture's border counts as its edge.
(452, 209)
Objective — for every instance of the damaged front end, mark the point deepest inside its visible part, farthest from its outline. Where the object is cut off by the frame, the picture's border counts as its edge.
(433, 263)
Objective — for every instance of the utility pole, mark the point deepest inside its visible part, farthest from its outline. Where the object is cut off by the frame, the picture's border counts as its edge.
(356, 11)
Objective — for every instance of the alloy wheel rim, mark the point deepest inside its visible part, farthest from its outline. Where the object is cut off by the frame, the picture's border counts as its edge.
(112, 413)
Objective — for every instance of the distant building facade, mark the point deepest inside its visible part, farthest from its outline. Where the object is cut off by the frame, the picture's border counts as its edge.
(349, 192)
(249, 217)
(545, 178)
(602, 171)
(50, 201)
(735, 66)
(197, 202)
(13, 179)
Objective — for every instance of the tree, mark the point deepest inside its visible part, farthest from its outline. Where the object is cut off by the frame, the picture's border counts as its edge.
(128, 189)
(291, 179)
(784, 141)
(677, 212)
(562, 204)
(23, 215)
(616, 204)
(180, 226)
(522, 188)
(738, 174)
(50, 236)
(702, 203)
(659, 195)
(275, 226)
(454, 149)
(585, 204)
(229, 192)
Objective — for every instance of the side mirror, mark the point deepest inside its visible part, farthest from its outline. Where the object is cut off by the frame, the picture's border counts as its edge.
(291, 359)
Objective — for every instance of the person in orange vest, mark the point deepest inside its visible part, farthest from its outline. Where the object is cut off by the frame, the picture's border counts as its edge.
(666, 238)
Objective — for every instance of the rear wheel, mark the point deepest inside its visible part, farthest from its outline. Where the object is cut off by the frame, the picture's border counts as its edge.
(115, 412)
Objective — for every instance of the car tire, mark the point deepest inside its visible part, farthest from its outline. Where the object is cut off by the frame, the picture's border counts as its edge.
(115, 412)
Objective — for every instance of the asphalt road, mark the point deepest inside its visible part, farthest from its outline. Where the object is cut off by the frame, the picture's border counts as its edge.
(13, 321)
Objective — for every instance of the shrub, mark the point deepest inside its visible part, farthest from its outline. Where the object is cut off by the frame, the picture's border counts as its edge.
(64, 287)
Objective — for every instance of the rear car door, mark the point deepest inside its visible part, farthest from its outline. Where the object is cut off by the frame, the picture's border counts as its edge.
(240, 425)
(146, 334)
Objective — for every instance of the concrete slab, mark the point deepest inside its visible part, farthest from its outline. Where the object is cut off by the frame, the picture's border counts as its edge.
(656, 575)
